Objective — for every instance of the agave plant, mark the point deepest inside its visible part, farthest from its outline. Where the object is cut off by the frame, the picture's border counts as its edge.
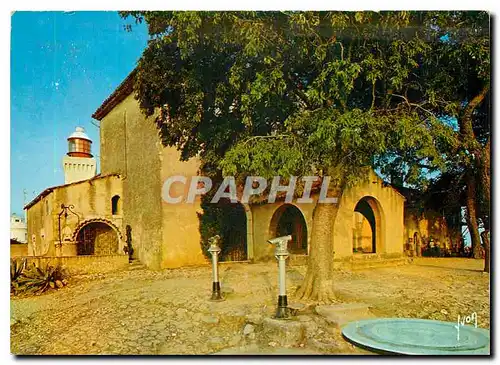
(39, 279)
(16, 270)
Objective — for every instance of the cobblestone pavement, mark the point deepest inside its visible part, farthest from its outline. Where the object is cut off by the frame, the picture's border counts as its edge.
(168, 312)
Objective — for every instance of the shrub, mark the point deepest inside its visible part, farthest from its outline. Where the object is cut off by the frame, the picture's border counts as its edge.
(39, 279)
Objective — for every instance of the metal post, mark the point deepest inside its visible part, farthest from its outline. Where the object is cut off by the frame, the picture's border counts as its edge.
(215, 250)
(281, 254)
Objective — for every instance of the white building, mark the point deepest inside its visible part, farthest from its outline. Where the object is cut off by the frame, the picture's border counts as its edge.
(18, 229)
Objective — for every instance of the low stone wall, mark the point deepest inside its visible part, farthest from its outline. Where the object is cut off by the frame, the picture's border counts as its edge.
(356, 261)
(76, 265)
(19, 250)
(297, 260)
(369, 261)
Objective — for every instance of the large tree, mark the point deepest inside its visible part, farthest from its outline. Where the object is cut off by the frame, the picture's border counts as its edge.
(459, 83)
(297, 93)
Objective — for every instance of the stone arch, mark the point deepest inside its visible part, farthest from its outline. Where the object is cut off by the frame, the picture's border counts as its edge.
(98, 237)
(289, 219)
(368, 235)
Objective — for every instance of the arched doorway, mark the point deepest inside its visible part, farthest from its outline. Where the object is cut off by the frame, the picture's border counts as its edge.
(288, 220)
(233, 231)
(366, 226)
(97, 238)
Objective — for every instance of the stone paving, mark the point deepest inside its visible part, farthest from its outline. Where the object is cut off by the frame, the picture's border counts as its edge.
(168, 312)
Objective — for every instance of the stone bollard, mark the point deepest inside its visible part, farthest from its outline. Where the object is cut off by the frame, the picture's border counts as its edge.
(281, 254)
(215, 250)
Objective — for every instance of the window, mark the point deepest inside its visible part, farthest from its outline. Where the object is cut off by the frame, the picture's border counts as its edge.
(115, 201)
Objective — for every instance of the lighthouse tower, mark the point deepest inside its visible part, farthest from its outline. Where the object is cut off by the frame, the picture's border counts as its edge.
(79, 164)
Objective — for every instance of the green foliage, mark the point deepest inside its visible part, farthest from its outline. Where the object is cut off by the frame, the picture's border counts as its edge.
(312, 90)
(36, 280)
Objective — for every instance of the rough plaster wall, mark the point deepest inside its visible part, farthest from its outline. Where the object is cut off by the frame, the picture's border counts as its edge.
(430, 224)
(112, 142)
(91, 199)
(181, 233)
(141, 169)
(41, 226)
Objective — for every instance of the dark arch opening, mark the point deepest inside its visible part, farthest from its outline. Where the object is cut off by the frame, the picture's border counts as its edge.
(97, 238)
(233, 231)
(115, 201)
(365, 228)
(288, 220)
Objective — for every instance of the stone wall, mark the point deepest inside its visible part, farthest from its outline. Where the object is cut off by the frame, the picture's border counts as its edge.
(429, 224)
(19, 250)
(76, 265)
(106, 241)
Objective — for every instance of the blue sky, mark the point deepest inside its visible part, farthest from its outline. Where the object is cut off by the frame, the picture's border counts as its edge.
(63, 66)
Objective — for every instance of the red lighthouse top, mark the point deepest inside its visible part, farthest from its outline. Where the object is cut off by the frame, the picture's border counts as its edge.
(79, 144)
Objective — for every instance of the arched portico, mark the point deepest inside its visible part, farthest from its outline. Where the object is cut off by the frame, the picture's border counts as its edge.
(382, 210)
(289, 220)
(98, 237)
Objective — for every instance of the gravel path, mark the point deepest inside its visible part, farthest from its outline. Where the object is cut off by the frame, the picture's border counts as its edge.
(168, 312)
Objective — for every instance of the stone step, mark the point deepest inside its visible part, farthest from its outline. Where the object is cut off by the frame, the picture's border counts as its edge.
(134, 268)
(136, 265)
(283, 332)
(339, 315)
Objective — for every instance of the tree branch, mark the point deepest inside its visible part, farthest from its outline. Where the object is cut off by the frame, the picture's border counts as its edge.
(476, 100)
(465, 122)
(266, 136)
(413, 104)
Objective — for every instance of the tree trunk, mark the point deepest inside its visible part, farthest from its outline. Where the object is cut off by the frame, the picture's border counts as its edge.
(486, 173)
(486, 199)
(472, 216)
(470, 143)
(486, 241)
(318, 282)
